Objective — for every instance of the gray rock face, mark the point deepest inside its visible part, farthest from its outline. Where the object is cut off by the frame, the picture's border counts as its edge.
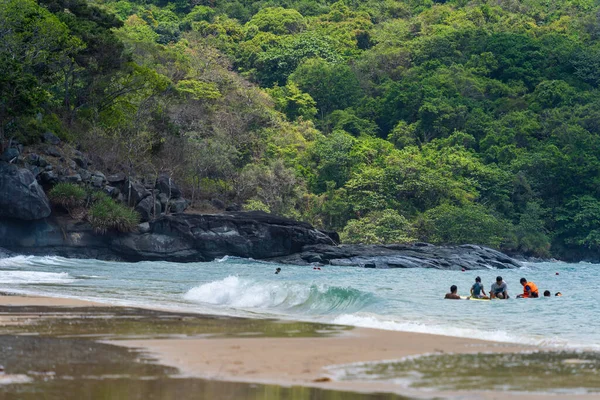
(33, 159)
(420, 255)
(52, 151)
(218, 204)
(85, 174)
(10, 155)
(166, 185)
(147, 207)
(180, 238)
(96, 181)
(49, 177)
(164, 199)
(51, 138)
(138, 192)
(80, 160)
(116, 178)
(21, 197)
(177, 206)
(75, 178)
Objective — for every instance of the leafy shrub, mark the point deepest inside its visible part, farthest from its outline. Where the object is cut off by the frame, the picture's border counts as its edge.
(472, 223)
(256, 205)
(68, 195)
(378, 227)
(107, 215)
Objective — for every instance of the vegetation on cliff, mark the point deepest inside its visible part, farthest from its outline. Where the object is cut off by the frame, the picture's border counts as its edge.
(446, 122)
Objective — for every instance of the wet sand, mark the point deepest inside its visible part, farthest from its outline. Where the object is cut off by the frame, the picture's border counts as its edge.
(297, 361)
(7, 299)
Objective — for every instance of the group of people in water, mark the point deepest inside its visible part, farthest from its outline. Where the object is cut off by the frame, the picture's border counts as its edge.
(499, 290)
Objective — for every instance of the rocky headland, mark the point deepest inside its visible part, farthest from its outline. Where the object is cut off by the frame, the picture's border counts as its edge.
(29, 225)
(257, 235)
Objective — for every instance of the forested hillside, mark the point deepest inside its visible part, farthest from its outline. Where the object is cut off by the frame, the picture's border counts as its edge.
(389, 121)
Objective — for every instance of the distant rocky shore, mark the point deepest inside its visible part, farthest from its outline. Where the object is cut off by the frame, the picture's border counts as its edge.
(28, 224)
(189, 237)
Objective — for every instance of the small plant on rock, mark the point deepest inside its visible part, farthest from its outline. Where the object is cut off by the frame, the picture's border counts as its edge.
(105, 214)
(69, 196)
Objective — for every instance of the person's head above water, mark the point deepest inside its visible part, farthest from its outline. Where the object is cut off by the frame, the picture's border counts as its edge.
(547, 293)
(558, 294)
(523, 281)
(453, 289)
(278, 270)
(498, 279)
(478, 279)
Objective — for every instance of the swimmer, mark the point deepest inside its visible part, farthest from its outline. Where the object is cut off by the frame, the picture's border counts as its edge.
(530, 290)
(278, 270)
(558, 294)
(452, 295)
(477, 290)
(547, 293)
(499, 289)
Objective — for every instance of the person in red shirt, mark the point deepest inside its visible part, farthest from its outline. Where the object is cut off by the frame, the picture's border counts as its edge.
(530, 289)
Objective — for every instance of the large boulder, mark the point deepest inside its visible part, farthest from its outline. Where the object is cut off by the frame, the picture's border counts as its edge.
(418, 255)
(21, 197)
(10, 155)
(187, 237)
(137, 190)
(51, 138)
(147, 208)
(116, 178)
(177, 206)
(165, 185)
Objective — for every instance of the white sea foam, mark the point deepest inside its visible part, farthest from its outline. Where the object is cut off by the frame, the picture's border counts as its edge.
(295, 297)
(32, 277)
(235, 292)
(28, 261)
(14, 379)
(379, 322)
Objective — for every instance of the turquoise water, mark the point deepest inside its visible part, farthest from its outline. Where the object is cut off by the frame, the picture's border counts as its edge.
(394, 299)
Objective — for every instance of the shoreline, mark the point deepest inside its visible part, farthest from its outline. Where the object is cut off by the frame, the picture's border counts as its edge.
(299, 361)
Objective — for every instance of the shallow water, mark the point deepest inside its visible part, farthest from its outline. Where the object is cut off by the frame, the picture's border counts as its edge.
(396, 299)
(542, 372)
(122, 323)
(75, 369)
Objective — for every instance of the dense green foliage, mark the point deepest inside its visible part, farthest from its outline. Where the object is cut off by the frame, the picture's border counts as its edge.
(68, 195)
(390, 120)
(105, 214)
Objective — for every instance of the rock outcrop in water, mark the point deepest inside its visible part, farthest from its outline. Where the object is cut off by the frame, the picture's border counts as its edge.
(180, 237)
(420, 255)
(189, 237)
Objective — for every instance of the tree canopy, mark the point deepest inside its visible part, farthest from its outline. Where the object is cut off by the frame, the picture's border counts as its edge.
(390, 121)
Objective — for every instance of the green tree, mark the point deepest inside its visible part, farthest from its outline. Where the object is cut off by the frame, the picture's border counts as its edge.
(278, 20)
(333, 86)
(379, 227)
(447, 224)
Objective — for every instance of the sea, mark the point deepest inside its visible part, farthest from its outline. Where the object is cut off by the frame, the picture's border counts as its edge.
(408, 300)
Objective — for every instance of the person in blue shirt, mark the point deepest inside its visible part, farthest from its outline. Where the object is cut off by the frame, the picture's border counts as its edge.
(477, 290)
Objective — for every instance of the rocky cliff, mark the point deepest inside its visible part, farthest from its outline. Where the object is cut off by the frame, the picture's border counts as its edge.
(27, 225)
(189, 237)
(180, 237)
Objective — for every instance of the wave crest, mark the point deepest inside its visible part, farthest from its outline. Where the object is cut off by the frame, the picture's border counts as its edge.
(296, 297)
(30, 277)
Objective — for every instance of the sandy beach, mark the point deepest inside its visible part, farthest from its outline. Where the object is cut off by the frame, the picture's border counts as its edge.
(302, 361)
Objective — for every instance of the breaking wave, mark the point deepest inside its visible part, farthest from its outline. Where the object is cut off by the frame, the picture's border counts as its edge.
(291, 296)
